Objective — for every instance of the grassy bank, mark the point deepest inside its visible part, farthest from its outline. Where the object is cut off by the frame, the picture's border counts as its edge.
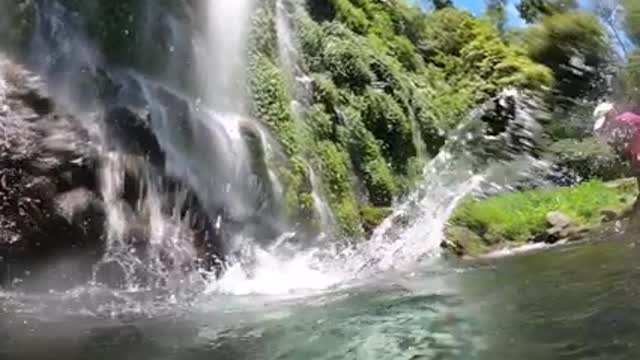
(515, 218)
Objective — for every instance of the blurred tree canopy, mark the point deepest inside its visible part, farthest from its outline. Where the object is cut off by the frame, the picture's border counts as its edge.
(441, 4)
(632, 19)
(574, 46)
(497, 13)
(535, 10)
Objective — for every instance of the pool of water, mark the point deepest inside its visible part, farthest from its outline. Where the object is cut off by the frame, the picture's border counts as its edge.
(572, 302)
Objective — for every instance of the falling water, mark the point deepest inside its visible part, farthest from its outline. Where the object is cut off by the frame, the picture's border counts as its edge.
(205, 146)
(416, 229)
(290, 54)
(222, 56)
(301, 90)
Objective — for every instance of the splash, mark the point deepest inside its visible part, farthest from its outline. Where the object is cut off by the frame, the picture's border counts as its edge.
(415, 231)
(212, 148)
(272, 272)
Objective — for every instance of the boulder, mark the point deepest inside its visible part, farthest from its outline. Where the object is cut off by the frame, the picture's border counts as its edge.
(558, 220)
(51, 204)
(44, 153)
(609, 214)
(461, 241)
(561, 228)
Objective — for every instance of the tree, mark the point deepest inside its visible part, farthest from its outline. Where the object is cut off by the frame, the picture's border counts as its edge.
(610, 13)
(496, 12)
(632, 19)
(533, 11)
(441, 4)
(631, 78)
(574, 46)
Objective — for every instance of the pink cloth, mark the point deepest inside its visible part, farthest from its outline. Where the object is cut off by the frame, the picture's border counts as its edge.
(630, 121)
(629, 118)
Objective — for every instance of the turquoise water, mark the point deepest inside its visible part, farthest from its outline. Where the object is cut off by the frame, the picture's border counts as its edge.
(572, 302)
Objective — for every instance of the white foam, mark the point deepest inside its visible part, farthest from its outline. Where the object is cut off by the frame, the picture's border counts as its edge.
(272, 275)
(521, 249)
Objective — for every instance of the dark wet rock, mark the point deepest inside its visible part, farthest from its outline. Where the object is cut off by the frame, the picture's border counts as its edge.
(132, 129)
(461, 241)
(44, 153)
(561, 228)
(51, 205)
(610, 215)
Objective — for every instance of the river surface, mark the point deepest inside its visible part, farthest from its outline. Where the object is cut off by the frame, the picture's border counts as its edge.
(571, 302)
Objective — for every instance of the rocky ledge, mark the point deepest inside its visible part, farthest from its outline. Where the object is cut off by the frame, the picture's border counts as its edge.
(52, 211)
(550, 216)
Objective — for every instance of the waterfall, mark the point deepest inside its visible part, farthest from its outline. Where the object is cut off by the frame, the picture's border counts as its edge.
(300, 85)
(213, 181)
(472, 163)
(222, 54)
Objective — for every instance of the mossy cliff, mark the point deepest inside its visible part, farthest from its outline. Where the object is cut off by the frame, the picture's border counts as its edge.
(388, 82)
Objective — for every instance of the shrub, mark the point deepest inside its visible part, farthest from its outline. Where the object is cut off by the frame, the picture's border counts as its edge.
(385, 119)
(336, 176)
(588, 159)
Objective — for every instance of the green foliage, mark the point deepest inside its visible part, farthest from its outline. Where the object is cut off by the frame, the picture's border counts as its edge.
(631, 78)
(347, 64)
(353, 17)
(441, 4)
(632, 19)
(497, 13)
(385, 119)
(271, 106)
(535, 10)
(519, 216)
(573, 45)
(368, 161)
(588, 159)
(446, 32)
(336, 175)
(372, 217)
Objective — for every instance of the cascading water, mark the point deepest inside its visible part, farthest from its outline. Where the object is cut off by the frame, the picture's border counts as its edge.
(222, 54)
(415, 231)
(301, 89)
(205, 145)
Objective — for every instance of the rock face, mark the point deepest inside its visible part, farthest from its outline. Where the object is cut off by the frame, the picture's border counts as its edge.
(561, 228)
(52, 211)
(47, 160)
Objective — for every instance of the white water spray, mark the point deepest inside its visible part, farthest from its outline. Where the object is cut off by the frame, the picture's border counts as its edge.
(415, 231)
(222, 61)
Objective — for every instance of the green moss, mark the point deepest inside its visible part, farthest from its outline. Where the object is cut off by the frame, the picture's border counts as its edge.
(368, 161)
(388, 123)
(271, 107)
(336, 175)
(372, 217)
(516, 217)
(350, 15)
(348, 64)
